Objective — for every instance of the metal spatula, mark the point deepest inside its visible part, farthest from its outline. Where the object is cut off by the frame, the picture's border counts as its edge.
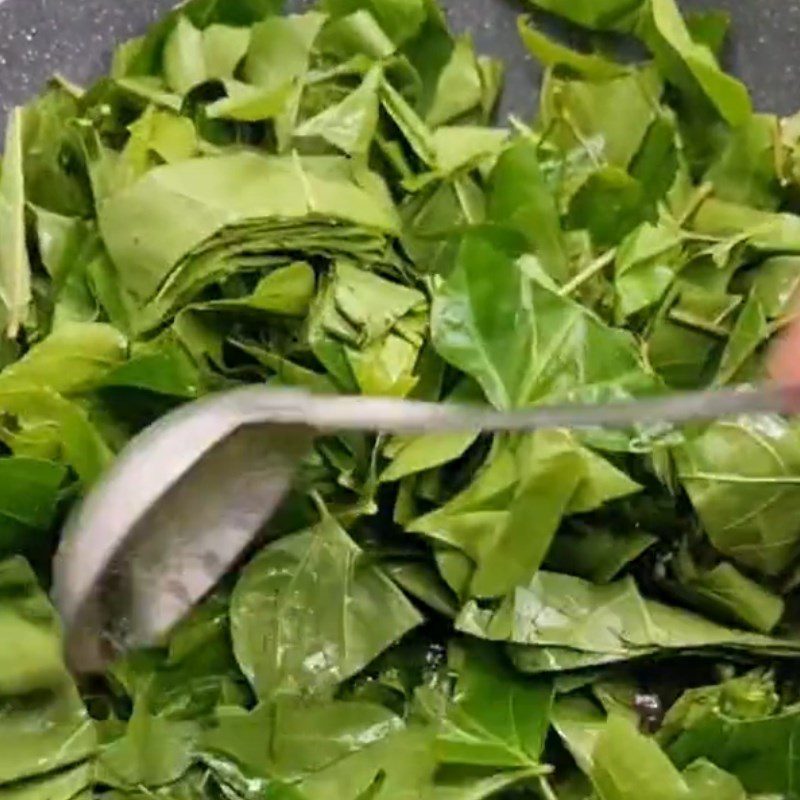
(186, 497)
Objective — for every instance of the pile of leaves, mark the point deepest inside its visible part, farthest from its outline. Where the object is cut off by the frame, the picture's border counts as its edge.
(322, 200)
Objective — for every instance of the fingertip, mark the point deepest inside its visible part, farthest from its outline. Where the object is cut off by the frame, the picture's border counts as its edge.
(785, 361)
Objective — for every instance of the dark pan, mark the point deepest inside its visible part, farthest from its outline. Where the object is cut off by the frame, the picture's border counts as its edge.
(75, 38)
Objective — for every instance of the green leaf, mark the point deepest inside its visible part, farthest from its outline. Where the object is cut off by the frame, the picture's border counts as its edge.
(349, 125)
(519, 197)
(412, 128)
(73, 359)
(599, 14)
(689, 64)
(28, 620)
(224, 47)
(506, 519)
(601, 624)
(184, 60)
(43, 723)
(624, 760)
(237, 200)
(722, 591)
(521, 341)
(645, 267)
(358, 613)
(464, 146)
(494, 718)
(286, 291)
(367, 331)
(741, 476)
(738, 728)
(353, 750)
(581, 114)
(710, 28)
(153, 751)
(460, 86)
(38, 423)
(745, 171)
(29, 495)
(471, 784)
(597, 554)
(706, 781)
(400, 19)
(554, 54)
(193, 675)
(50, 182)
(354, 34)
(610, 205)
(68, 784)
(751, 330)
(15, 269)
(279, 49)
(579, 724)
(278, 61)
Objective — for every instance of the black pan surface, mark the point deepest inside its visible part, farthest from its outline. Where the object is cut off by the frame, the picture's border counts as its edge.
(75, 38)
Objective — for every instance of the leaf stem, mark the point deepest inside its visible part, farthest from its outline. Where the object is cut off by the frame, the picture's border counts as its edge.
(598, 265)
(699, 196)
(546, 789)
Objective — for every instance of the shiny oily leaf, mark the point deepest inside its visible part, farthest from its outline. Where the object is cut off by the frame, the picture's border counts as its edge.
(615, 754)
(460, 783)
(521, 341)
(351, 749)
(753, 744)
(751, 330)
(334, 749)
(741, 476)
(624, 760)
(597, 554)
(604, 623)
(310, 612)
(494, 717)
(506, 519)
(153, 751)
(725, 593)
